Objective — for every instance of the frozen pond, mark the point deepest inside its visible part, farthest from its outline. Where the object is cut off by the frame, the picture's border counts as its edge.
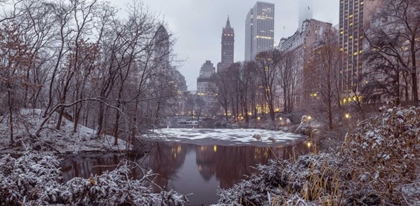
(228, 136)
(198, 168)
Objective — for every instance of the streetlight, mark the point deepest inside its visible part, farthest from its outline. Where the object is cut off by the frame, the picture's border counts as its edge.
(347, 116)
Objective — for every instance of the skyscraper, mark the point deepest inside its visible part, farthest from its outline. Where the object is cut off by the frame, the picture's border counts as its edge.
(305, 12)
(228, 40)
(205, 79)
(206, 85)
(259, 29)
(162, 42)
(354, 15)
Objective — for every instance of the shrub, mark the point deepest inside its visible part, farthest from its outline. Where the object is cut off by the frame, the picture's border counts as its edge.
(33, 179)
(378, 164)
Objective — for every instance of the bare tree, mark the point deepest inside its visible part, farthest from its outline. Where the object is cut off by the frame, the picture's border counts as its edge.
(267, 70)
(221, 89)
(393, 39)
(65, 53)
(15, 57)
(322, 77)
(287, 78)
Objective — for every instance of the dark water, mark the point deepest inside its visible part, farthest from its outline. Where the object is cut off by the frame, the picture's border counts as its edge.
(188, 168)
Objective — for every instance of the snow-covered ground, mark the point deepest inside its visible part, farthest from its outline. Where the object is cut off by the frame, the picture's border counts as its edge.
(63, 140)
(229, 136)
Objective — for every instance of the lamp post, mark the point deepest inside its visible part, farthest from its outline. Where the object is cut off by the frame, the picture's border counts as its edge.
(347, 117)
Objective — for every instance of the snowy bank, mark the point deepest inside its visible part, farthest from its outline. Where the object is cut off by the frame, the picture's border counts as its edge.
(379, 164)
(63, 140)
(33, 179)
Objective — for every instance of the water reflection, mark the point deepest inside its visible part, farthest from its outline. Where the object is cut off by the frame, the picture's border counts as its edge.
(188, 168)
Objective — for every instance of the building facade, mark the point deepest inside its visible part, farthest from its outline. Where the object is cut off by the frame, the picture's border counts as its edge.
(228, 47)
(259, 30)
(354, 18)
(206, 86)
(299, 46)
(305, 12)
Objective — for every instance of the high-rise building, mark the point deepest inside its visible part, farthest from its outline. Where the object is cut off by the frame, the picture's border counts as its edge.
(205, 80)
(259, 30)
(228, 41)
(354, 16)
(298, 45)
(206, 86)
(162, 51)
(305, 12)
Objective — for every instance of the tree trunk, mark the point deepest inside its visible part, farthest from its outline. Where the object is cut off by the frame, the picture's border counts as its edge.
(100, 117)
(116, 126)
(226, 113)
(9, 94)
(414, 88)
(76, 117)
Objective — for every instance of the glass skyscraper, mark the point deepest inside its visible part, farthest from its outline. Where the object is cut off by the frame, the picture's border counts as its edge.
(259, 30)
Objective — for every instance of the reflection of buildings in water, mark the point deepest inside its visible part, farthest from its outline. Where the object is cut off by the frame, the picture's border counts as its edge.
(165, 158)
(230, 164)
(205, 155)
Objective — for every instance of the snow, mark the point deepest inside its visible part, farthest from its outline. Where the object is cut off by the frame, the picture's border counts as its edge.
(63, 140)
(33, 179)
(228, 135)
(378, 164)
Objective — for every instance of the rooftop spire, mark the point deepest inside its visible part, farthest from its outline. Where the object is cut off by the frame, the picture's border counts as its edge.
(228, 23)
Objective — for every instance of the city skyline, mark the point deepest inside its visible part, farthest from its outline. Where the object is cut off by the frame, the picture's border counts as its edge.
(197, 26)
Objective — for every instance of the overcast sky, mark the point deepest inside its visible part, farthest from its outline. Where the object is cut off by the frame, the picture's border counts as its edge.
(197, 26)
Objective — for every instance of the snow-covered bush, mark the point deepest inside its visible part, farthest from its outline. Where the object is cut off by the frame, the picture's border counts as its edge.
(33, 179)
(284, 183)
(382, 155)
(26, 178)
(378, 164)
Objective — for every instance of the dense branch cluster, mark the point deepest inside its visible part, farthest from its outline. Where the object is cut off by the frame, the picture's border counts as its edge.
(84, 61)
(246, 89)
(393, 53)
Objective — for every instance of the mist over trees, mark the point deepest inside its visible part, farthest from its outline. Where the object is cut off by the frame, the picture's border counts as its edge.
(87, 63)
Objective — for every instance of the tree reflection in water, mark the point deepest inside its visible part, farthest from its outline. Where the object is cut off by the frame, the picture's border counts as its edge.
(188, 168)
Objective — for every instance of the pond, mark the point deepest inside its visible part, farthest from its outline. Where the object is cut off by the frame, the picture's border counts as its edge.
(189, 168)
